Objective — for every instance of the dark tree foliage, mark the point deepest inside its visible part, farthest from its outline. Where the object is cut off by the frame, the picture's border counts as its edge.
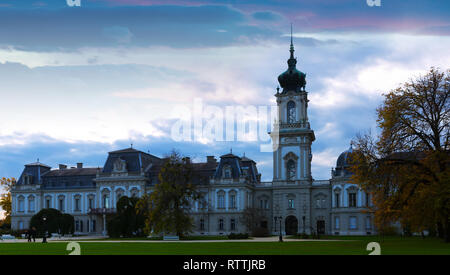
(127, 222)
(170, 203)
(406, 168)
(56, 222)
(252, 218)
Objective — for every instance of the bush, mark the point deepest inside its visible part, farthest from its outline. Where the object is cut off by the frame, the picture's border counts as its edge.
(389, 231)
(238, 236)
(303, 236)
(260, 232)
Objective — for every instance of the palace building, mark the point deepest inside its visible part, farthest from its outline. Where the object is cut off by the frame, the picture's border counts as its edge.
(229, 184)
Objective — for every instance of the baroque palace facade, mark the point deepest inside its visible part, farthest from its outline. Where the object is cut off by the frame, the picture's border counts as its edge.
(229, 185)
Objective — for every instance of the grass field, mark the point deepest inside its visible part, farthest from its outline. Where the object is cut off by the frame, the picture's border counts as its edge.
(353, 246)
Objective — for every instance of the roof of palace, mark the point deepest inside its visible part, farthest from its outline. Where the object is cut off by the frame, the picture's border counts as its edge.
(239, 167)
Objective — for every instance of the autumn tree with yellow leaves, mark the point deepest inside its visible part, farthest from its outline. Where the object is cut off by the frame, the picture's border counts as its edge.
(5, 198)
(406, 168)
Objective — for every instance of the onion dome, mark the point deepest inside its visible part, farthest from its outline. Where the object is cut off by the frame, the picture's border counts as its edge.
(292, 79)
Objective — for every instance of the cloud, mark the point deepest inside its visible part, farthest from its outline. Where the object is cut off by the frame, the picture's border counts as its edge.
(174, 26)
(118, 34)
(266, 16)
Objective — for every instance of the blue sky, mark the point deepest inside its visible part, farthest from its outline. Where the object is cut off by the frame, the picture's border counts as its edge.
(77, 82)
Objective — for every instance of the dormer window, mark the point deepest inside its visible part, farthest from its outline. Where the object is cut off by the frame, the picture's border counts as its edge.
(227, 172)
(291, 114)
(26, 179)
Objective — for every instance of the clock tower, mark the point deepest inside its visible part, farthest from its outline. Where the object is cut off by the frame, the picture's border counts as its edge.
(292, 133)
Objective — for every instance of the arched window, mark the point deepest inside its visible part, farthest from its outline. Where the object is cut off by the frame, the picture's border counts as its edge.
(232, 199)
(134, 192)
(106, 201)
(48, 202)
(291, 169)
(221, 199)
(291, 114)
(31, 203)
(61, 203)
(21, 204)
(77, 203)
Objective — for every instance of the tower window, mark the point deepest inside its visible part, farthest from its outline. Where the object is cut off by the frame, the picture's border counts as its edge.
(291, 170)
(291, 115)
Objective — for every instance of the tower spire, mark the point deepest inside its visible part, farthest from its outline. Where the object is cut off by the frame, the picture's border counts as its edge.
(292, 45)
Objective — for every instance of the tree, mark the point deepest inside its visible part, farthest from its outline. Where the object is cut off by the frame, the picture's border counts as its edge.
(55, 222)
(171, 199)
(252, 218)
(127, 222)
(5, 198)
(406, 167)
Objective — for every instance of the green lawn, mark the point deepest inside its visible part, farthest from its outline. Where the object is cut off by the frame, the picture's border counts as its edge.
(354, 246)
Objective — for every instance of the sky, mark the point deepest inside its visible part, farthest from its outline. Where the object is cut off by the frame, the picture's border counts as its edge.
(79, 81)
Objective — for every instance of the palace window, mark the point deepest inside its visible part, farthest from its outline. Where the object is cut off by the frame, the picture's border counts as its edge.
(233, 224)
(367, 199)
(291, 204)
(291, 116)
(221, 200)
(61, 204)
(220, 224)
(47, 203)
(202, 224)
(352, 200)
(91, 203)
(77, 204)
(264, 204)
(21, 204)
(352, 223)
(105, 201)
(232, 203)
(337, 199)
(31, 204)
(337, 223)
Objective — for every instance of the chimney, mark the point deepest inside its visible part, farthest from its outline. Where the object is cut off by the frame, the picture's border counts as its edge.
(62, 166)
(211, 159)
(79, 165)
